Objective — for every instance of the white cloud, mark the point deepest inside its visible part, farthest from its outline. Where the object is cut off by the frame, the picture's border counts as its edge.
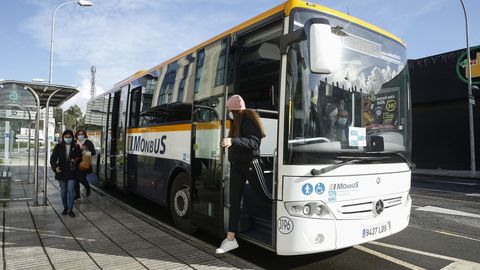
(83, 96)
(121, 37)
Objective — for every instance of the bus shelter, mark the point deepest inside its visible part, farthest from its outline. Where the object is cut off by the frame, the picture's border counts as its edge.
(23, 108)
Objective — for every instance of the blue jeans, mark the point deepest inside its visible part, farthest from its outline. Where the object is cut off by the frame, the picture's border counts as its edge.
(67, 190)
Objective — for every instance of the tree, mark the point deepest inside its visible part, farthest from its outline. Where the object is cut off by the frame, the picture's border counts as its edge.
(57, 115)
(74, 119)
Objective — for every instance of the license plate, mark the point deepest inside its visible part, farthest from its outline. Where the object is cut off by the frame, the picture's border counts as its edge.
(375, 230)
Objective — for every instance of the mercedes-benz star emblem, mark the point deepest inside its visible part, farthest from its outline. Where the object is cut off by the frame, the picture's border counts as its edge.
(378, 208)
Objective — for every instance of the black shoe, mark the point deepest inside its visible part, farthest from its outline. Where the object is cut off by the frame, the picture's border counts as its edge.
(89, 190)
(70, 213)
(65, 211)
(76, 198)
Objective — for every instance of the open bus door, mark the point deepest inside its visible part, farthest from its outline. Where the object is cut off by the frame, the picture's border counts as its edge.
(207, 158)
(257, 80)
(115, 136)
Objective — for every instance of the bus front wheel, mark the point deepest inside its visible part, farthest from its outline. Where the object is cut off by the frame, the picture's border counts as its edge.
(180, 203)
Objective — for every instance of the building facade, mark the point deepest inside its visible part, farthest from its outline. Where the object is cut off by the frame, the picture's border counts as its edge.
(441, 136)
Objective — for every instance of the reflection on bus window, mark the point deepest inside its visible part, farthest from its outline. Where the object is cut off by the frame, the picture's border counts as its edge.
(355, 108)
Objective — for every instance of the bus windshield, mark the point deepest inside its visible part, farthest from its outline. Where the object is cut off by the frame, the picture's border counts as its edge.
(360, 108)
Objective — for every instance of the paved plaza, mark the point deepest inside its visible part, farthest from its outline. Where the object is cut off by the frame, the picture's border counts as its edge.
(105, 234)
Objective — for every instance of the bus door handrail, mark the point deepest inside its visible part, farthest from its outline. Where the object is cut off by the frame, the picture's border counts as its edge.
(265, 111)
(274, 175)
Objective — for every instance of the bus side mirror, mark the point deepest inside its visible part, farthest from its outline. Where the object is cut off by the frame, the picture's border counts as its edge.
(324, 47)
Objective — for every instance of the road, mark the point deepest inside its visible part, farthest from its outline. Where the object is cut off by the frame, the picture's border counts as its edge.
(444, 233)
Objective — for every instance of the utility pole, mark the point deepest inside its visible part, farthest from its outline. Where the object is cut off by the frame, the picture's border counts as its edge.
(471, 99)
(93, 70)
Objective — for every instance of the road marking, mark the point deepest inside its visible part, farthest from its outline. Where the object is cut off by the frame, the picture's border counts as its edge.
(459, 266)
(444, 232)
(424, 253)
(433, 197)
(389, 258)
(446, 211)
(450, 182)
(439, 190)
(473, 195)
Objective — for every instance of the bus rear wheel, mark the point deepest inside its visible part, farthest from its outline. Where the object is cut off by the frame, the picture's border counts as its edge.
(180, 203)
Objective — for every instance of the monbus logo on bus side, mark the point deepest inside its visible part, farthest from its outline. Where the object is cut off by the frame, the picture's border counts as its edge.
(140, 144)
(343, 186)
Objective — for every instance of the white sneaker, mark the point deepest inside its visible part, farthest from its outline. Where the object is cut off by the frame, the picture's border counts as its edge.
(226, 246)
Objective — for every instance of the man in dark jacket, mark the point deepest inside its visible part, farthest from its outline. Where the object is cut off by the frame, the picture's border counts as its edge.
(64, 162)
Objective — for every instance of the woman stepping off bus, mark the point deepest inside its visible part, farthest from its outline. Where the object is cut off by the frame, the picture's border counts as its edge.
(243, 145)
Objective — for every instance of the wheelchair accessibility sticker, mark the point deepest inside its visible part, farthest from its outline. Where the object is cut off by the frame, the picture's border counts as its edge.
(319, 188)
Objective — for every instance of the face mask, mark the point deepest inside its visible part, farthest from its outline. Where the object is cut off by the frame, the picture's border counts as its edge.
(81, 137)
(230, 115)
(342, 121)
(67, 140)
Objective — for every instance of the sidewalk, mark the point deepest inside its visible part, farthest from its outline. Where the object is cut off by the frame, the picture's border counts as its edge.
(446, 173)
(105, 234)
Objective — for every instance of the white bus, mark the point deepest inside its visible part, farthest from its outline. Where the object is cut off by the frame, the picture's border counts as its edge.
(333, 94)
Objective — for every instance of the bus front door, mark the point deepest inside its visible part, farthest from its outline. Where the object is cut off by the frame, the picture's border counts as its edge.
(115, 140)
(206, 169)
(207, 158)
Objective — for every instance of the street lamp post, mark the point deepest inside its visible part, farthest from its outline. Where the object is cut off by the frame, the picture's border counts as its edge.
(82, 3)
(471, 99)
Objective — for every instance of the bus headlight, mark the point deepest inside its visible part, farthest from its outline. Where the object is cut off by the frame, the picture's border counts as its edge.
(308, 209)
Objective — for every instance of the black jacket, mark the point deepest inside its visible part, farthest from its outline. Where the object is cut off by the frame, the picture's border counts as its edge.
(69, 167)
(246, 148)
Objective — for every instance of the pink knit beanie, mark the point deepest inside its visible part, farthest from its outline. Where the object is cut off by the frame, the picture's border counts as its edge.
(235, 103)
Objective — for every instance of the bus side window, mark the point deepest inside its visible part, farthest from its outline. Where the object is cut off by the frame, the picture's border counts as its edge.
(168, 83)
(257, 67)
(135, 105)
(205, 115)
(147, 96)
(210, 70)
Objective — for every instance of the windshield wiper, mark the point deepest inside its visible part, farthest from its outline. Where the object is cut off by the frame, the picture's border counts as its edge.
(348, 160)
(408, 161)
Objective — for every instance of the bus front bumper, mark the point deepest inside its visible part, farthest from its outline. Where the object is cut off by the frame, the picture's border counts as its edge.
(319, 235)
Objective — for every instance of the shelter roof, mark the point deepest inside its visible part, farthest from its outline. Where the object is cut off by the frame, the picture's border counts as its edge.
(43, 90)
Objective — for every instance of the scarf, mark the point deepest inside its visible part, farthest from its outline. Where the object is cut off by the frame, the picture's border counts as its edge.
(80, 143)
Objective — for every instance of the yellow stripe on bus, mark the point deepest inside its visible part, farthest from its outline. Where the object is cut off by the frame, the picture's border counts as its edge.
(208, 125)
(179, 127)
(169, 128)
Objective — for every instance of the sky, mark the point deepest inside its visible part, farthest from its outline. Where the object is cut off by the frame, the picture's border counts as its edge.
(121, 37)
